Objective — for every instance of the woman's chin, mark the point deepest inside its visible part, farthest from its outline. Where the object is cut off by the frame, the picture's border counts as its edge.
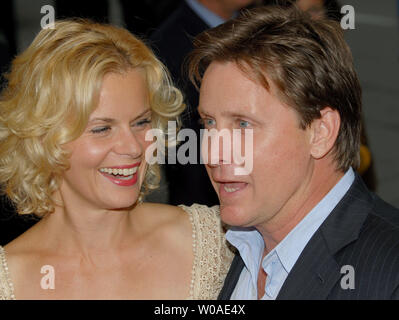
(125, 208)
(122, 205)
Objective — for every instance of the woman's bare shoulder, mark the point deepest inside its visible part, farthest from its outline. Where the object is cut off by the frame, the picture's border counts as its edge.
(23, 244)
(164, 218)
(158, 214)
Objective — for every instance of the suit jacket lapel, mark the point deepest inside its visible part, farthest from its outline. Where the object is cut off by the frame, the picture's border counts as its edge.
(313, 275)
(231, 278)
(316, 270)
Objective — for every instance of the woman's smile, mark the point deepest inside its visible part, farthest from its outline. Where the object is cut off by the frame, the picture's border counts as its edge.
(124, 176)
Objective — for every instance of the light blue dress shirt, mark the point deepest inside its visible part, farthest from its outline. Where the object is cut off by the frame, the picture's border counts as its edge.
(278, 263)
(210, 18)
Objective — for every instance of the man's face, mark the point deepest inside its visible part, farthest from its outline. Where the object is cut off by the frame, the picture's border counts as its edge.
(282, 162)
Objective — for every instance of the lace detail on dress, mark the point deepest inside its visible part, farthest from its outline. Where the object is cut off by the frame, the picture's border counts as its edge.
(6, 287)
(212, 256)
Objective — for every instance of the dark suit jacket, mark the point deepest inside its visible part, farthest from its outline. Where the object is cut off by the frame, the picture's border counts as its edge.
(172, 42)
(363, 232)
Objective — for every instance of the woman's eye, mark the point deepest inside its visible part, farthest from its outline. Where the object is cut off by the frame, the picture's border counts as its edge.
(142, 123)
(100, 129)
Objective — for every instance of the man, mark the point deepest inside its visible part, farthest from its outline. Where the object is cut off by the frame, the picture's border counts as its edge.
(172, 42)
(304, 224)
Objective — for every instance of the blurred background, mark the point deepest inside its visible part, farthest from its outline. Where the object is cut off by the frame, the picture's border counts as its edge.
(374, 43)
(375, 47)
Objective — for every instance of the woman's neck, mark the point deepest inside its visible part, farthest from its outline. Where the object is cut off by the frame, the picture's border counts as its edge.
(86, 232)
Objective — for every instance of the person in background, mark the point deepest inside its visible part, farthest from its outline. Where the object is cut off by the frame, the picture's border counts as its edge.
(96, 10)
(144, 17)
(304, 224)
(140, 17)
(8, 28)
(5, 57)
(172, 42)
(74, 120)
(321, 8)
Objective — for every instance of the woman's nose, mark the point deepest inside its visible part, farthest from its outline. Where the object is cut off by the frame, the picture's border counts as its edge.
(127, 143)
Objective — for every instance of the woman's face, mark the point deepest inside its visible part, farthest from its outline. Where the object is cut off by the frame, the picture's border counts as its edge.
(107, 163)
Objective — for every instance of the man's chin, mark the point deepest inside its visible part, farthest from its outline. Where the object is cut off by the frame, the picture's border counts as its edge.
(235, 216)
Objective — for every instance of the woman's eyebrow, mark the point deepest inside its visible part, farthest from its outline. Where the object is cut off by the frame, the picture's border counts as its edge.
(144, 113)
(110, 120)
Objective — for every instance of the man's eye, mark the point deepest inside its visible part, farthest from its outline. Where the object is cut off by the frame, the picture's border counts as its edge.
(244, 124)
(207, 122)
(100, 129)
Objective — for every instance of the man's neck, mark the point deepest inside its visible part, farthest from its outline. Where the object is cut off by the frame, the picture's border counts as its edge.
(296, 208)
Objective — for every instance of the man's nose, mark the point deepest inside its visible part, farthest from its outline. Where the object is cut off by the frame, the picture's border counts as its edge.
(219, 148)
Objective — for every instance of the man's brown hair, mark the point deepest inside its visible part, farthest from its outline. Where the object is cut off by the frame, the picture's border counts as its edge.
(307, 60)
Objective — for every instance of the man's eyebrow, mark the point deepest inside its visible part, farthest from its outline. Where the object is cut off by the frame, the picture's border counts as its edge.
(229, 113)
(200, 110)
(236, 114)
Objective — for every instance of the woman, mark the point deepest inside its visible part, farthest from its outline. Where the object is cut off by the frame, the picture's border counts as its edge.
(73, 124)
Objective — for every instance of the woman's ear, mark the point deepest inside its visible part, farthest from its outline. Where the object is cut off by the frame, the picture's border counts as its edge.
(324, 132)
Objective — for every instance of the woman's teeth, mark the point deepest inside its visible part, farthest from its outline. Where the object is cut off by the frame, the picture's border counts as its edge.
(227, 189)
(120, 172)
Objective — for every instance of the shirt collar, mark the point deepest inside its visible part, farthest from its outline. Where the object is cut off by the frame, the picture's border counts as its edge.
(210, 18)
(250, 244)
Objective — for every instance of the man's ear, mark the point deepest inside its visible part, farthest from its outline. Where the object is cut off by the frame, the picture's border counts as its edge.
(324, 132)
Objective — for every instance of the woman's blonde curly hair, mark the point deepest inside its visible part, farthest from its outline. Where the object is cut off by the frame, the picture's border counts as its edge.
(53, 87)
